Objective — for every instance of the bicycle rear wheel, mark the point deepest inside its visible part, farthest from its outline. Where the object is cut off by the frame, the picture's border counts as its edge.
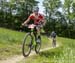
(27, 43)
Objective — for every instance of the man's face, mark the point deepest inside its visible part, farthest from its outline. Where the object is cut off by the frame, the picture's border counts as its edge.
(36, 12)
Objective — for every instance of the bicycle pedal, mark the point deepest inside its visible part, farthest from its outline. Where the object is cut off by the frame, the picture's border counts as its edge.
(32, 47)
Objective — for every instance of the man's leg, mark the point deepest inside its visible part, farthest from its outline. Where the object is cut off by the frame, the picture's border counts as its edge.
(38, 35)
(38, 32)
(35, 33)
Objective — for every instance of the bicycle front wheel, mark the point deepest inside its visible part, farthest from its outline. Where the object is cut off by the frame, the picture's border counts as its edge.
(54, 42)
(27, 43)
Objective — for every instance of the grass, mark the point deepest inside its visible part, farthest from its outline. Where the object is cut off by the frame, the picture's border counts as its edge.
(63, 54)
(11, 43)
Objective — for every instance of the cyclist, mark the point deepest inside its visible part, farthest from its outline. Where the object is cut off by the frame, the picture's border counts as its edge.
(37, 18)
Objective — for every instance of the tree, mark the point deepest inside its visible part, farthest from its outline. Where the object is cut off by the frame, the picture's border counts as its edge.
(62, 22)
(14, 12)
(69, 15)
(51, 7)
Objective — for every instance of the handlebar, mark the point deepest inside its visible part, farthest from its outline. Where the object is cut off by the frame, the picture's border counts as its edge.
(27, 25)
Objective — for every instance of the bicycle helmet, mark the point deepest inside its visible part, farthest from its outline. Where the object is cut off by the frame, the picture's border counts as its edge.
(36, 9)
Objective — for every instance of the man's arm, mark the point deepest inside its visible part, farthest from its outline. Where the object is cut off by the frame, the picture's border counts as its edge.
(44, 21)
(25, 22)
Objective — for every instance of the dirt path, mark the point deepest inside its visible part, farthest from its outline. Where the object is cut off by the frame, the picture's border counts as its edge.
(18, 58)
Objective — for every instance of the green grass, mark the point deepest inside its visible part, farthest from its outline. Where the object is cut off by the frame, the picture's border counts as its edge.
(11, 43)
(63, 54)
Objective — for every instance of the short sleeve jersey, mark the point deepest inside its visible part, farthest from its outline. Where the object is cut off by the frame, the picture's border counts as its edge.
(37, 18)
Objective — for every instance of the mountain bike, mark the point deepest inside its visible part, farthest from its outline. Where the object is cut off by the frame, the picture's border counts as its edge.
(29, 41)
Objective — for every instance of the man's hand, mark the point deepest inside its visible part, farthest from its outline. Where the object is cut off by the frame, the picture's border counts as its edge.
(23, 24)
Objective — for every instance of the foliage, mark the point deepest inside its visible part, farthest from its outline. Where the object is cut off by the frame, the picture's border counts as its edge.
(60, 16)
(61, 21)
(14, 12)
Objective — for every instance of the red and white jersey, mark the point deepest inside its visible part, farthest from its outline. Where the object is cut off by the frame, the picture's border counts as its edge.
(36, 18)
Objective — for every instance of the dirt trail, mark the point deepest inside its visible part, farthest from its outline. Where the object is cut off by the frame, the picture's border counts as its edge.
(18, 58)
